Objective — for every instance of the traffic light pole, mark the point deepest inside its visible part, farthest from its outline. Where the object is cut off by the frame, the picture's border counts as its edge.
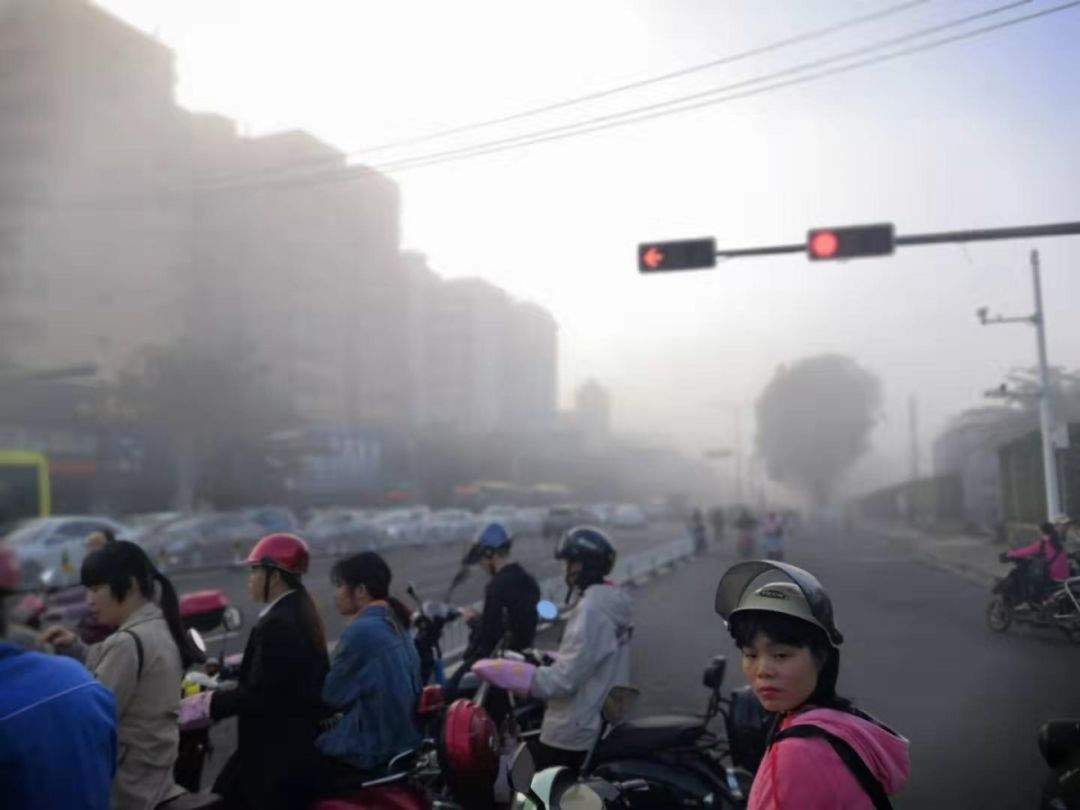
(983, 235)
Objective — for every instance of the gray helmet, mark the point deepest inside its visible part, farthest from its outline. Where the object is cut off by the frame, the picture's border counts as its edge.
(776, 587)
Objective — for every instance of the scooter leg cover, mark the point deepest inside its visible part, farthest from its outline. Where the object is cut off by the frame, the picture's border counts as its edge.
(514, 676)
(195, 711)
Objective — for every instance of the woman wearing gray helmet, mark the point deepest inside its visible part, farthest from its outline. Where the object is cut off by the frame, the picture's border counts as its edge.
(822, 751)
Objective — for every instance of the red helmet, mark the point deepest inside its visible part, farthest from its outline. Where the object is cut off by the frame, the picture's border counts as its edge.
(283, 551)
(9, 568)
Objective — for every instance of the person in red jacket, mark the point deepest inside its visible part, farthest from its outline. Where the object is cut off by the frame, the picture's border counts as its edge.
(822, 753)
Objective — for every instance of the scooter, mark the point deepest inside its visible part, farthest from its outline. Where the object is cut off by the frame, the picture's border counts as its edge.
(1059, 609)
(677, 761)
(1059, 743)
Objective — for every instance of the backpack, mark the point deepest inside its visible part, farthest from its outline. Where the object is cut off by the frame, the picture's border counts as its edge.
(1038, 569)
(848, 756)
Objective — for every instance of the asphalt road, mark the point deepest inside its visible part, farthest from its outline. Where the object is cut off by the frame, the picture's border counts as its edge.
(917, 654)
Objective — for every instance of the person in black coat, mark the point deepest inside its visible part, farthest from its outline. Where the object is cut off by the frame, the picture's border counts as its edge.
(278, 699)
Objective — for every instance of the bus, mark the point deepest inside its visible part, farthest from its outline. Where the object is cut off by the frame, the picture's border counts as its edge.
(24, 486)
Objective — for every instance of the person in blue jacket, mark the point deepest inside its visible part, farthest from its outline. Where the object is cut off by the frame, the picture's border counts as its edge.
(57, 725)
(374, 679)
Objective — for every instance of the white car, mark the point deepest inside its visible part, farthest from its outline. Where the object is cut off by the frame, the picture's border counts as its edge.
(58, 544)
(628, 516)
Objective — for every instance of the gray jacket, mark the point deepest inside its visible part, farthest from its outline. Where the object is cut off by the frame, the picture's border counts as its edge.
(147, 706)
(593, 657)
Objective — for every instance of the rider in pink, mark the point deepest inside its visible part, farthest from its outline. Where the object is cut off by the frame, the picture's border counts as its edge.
(807, 774)
(1056, 557)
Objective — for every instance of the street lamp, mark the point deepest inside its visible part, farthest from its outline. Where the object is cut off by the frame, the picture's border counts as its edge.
(1046, 415)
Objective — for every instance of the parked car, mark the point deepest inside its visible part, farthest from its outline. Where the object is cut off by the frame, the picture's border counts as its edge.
(629, 516)
(402, 526)
(508, 516)
(58, 544)
(341, 531)
(273, 518)
(530, 520)
(559, 519)
(449, 526)
(211, 537)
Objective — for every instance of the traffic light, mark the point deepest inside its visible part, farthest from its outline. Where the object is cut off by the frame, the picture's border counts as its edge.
(850, 242)
(686, 254)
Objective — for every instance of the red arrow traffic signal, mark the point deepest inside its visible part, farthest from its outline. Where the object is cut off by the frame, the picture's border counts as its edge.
(686, 254)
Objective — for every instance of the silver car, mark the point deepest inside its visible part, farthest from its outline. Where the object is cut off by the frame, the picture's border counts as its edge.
(57, 544)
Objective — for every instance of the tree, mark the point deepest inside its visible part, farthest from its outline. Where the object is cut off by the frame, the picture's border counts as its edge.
(215, 410)
(814, 421)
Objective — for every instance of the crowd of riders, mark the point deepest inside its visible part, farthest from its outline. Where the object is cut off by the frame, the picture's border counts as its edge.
(97, 725)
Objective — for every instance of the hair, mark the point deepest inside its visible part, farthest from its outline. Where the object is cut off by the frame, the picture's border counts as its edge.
(366, 568)
(745, 626)
(309, 613)
(120, 562)
(1051, 533)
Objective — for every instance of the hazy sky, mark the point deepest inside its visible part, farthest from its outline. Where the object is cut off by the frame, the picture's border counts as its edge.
(979, 133)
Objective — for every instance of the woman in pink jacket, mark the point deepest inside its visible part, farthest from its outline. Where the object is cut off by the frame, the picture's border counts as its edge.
(822, 753)
(1050, 546)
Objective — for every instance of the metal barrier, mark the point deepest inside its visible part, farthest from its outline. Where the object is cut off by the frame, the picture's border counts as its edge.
(627, 569)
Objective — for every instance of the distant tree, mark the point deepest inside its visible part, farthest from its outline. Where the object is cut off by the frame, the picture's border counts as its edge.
(215, 412)
(814, 421)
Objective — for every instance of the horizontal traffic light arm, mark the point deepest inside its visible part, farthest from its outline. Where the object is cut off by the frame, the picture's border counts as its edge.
(984, 235)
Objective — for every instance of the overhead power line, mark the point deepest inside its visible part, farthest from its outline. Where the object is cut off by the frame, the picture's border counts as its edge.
(728, 59)
(729, 92)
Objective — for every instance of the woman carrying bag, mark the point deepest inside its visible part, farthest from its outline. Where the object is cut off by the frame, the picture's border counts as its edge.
(142, 662)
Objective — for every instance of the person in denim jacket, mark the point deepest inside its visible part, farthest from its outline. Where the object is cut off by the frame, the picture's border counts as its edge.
(374, 679)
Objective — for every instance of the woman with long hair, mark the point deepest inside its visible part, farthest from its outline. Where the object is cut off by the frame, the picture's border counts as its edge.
(822, 753)
(1046, 576)
(142, 662)
(278, 700)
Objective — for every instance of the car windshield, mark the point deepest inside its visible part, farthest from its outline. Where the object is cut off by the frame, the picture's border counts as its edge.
(29, 532)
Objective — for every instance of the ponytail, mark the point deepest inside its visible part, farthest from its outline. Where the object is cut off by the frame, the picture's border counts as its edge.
(313, 624)
(170, 607)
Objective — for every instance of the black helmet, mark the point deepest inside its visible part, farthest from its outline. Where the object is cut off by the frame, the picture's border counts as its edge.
(592, 549)
(777, 587)
(492, 539)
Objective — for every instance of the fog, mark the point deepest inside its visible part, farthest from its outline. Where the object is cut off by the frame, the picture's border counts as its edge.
(976, 133)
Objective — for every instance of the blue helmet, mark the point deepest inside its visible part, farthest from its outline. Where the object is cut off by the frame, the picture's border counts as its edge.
(492, 539)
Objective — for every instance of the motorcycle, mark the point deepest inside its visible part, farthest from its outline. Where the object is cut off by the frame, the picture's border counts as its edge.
(657, 762)
(1059, 609)
(678, 760)
(1059, 743)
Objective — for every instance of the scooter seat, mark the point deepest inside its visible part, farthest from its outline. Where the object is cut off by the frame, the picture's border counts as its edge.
(650, 735)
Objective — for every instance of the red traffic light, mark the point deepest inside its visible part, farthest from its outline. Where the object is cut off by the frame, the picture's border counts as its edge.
(850, 242)
(823, 245)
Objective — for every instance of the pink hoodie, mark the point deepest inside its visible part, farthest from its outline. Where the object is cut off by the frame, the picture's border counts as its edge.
(807, 774)
(1059, 560)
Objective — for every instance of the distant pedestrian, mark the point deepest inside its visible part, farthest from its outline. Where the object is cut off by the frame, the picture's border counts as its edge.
(716, 519)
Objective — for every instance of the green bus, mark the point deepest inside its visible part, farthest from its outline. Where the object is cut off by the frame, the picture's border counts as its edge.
(24, 486)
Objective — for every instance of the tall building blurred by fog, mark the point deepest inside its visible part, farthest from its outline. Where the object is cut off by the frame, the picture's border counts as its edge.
(116, 234)
(146, 240)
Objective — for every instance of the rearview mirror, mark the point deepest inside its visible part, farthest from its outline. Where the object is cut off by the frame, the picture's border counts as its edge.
(232, 619)
(197, 639)
(547, 610)
(617, 704)
(522, 769)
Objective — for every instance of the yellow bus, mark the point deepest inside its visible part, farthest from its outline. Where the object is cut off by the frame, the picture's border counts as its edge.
(24, 486)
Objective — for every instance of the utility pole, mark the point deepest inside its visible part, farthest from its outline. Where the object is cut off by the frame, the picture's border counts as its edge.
(1046, 412)
(1046, 405)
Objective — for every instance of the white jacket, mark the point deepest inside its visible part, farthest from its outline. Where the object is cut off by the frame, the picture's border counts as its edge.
(593, 657)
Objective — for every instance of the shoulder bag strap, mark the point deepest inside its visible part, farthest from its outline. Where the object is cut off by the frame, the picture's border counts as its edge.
(848, 756)
(138, 651)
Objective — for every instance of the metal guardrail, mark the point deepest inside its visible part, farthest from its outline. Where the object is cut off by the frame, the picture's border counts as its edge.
(627, 569)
